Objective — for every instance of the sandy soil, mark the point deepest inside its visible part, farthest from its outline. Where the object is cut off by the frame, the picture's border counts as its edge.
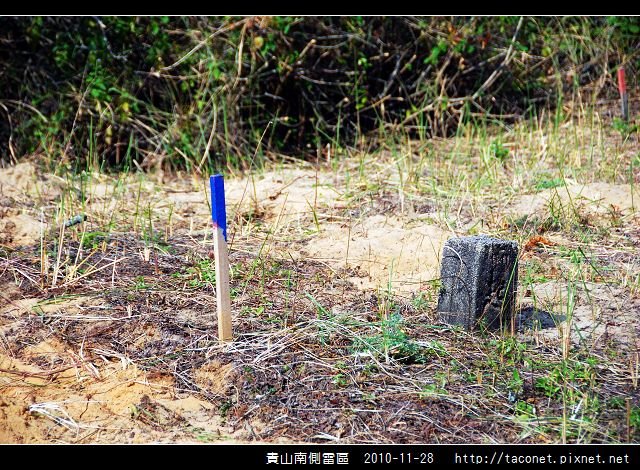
(593, 199)
(18, 226)
(53, 393)
(382, 249)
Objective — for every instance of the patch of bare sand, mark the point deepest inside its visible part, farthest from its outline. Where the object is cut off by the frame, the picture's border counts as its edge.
(17, 181)
(594, 312)
(99, 401)
(22, 181)
(213, 376)
(51, 392)
(284, 198)
(383, 249)
(19, 184)
(380, 248)
(593, 199)
(17, 228)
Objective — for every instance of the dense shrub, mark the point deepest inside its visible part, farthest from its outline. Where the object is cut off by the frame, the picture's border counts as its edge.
(198, 92)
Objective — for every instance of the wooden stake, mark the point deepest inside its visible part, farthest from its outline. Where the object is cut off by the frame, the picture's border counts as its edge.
(624, 99)
(219, 217)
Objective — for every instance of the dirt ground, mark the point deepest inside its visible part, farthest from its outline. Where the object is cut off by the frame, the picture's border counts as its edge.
(112, 338)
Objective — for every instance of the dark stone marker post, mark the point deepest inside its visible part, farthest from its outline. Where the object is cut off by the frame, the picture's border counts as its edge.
(479, 278)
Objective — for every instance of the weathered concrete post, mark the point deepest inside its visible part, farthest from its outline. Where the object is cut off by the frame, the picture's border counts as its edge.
(479, 278)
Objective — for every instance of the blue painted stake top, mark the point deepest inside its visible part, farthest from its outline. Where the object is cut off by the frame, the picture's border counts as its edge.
(218, 210)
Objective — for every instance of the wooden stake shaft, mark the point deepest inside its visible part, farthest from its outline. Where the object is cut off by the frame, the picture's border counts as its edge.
(223, 299)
